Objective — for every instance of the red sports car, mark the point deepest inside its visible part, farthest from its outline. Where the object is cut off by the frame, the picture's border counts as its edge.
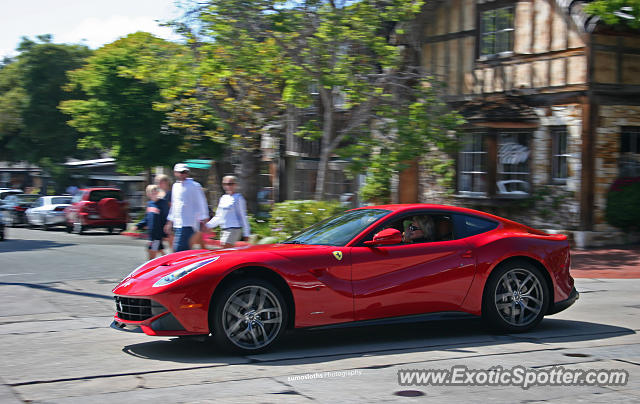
(364, 264)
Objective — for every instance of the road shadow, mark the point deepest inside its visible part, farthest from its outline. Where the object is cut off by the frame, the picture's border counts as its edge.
(9, 245)
(321, 346)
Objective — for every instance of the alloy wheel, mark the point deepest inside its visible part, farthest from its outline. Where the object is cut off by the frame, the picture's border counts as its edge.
(519, 297)
(252, 317)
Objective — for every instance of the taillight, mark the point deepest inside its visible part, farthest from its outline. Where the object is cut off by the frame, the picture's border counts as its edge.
(89, 207)
(58, 209)
(20, 208)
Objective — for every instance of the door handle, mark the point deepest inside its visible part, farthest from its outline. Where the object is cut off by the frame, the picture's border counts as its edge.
(467, 254)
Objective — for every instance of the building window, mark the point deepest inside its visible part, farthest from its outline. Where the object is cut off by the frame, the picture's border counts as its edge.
(472, 178)
(495, 163)
(559, 155)
(496, 34)
(630, 151)
(513, 163)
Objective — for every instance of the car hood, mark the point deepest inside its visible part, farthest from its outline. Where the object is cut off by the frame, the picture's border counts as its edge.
(149, 272)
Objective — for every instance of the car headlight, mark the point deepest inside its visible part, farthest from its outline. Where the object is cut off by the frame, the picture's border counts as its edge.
(179, 273)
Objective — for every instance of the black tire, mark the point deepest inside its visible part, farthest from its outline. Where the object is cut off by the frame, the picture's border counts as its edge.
(45, 226)
(2, 235)
(69, 228)
(516, 297)
(11, 219)
(110, 230)
(245, 324)
(78, 228)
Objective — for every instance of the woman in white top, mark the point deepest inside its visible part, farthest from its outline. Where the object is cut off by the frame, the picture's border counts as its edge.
(231, 215)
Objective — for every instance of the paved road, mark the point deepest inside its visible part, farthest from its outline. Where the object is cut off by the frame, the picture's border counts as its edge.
(55, 305)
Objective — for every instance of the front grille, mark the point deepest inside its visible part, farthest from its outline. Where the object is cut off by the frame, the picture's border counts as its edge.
(134, 309)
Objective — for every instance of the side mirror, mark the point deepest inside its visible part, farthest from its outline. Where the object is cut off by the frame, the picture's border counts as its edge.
(385, 237)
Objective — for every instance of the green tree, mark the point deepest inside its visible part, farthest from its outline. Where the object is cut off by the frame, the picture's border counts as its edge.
(616, 12)
(233, 93)
(31, 126)
(123, 111)
(347, 51)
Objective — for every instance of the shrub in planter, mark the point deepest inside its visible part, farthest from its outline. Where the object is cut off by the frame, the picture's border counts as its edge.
(291, 217)
(623, 204)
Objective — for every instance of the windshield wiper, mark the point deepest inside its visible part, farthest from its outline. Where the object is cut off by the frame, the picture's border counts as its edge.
(293, 242)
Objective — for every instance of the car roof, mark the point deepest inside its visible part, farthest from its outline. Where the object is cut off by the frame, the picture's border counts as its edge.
(408, 207)
(100, 189)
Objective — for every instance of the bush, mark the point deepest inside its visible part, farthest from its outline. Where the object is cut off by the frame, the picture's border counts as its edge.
(291, 217)
(623, 204)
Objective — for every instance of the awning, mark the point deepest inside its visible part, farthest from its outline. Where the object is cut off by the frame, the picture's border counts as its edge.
(198, 163)
(122, 178)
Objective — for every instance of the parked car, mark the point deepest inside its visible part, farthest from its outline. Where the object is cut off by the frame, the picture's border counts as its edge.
(48, 211)
(14, 208)
(97, 208)
(364, 264)
(5, 192)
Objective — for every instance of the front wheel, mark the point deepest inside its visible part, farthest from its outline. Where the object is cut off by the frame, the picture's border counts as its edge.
(249, 316)
(516, 297)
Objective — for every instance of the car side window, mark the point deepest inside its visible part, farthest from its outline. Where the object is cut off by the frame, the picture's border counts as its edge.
(467, 225)
(420, 228)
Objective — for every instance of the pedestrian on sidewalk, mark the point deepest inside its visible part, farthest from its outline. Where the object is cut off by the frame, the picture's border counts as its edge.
(231, 215)
(188, 212)
(164, 183)
(154, 221)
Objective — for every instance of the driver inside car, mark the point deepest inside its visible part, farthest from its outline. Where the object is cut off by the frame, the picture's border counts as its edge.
(420, 230)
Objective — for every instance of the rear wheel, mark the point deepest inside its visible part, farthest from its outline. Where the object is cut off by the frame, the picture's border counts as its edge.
(516, 297)
(249, 316)
(78, 228)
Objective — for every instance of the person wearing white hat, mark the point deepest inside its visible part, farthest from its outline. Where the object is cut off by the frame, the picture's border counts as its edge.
(188, 211)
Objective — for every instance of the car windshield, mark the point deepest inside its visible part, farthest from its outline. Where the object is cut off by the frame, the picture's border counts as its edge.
(59, 200)
(338, 230)
(99, 194)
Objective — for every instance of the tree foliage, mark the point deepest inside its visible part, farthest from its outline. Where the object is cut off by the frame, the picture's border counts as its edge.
(122, 110)
(31, 87)
(341, 57)
(616, 12)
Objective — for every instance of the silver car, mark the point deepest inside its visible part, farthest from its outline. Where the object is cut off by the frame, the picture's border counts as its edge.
(48, 211)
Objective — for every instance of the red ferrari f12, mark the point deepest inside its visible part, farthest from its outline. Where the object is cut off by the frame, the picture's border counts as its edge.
(368, 263)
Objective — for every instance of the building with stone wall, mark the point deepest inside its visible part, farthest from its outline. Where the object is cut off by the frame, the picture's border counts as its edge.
(552, 100)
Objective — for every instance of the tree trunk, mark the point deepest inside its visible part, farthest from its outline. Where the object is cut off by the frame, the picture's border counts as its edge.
(249, 177)
(327, 132)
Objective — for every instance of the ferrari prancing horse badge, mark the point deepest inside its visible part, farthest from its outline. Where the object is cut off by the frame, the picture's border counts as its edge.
(338, 255)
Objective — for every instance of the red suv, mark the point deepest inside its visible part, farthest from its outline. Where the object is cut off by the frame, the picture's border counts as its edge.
(97, 207)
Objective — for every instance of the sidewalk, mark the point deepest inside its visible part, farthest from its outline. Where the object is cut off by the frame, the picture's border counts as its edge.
(611, 262)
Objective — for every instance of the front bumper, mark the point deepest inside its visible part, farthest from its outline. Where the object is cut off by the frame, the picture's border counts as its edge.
(564, 304)
(144, 315)
(55, 218)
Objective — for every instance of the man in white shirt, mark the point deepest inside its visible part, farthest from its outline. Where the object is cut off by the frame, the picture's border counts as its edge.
(189, 210)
